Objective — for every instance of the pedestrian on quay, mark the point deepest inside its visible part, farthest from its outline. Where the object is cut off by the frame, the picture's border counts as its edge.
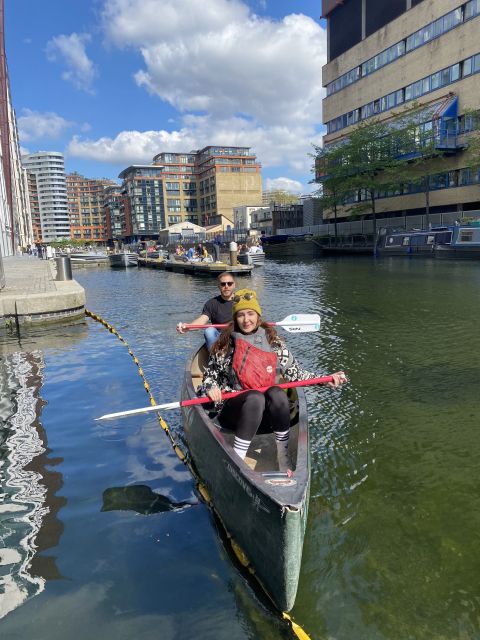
(217, 310)
(247, 355)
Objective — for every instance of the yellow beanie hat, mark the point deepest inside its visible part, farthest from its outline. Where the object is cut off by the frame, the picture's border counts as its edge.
(245, 299)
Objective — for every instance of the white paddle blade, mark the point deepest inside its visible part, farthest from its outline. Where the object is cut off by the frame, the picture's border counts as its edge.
(135, 412)
(300, 322)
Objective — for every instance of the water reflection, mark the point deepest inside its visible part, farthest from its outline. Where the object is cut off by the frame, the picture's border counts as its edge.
(140, 498)
(28, 513)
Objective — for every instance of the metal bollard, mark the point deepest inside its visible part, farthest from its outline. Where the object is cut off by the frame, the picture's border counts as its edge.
(64, 268)
(233, 253)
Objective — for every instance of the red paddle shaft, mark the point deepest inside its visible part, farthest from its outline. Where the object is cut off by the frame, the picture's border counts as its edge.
(284, 385)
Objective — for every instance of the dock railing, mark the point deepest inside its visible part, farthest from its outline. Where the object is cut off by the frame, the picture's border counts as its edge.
(365, 227)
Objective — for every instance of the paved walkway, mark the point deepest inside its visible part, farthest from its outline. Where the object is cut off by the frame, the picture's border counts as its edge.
(26, 274)
(31, 293)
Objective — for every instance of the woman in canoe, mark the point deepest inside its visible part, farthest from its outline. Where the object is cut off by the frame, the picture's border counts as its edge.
(249, 354)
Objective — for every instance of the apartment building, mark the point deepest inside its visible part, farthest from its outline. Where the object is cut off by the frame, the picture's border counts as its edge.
(115, 228)
(34, 207)
(48, 185)
(201, 187)
(204, 186)
(15, 218)
(85, 207)
(385, 56)
(142, 208)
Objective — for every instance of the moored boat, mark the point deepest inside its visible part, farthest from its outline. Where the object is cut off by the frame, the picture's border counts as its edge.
(263, 509)
(460, 241)
(257, 258)
(464, 243)
(90, 257)
(123, 260)
(284, 246)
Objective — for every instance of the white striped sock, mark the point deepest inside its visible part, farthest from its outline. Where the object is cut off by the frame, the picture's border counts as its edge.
(282, 436)
(241, 447)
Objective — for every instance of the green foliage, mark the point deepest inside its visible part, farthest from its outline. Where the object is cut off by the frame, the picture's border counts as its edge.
(63, 243)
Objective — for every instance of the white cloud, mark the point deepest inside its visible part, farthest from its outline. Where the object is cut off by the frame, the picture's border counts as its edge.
(81, 71)
(274, 145)
(34, 125)
(284, 184)
(219, 58)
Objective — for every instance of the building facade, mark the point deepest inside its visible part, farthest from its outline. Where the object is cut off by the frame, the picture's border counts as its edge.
(115, 228)
(384, 57)
(204, 186)
(86, 207)
(49, 186)
(15, 219)
(142, 208)
(243, 215)
(200, 187)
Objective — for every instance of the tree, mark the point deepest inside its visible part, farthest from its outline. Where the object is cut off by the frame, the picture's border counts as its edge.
(332, 173)
(423, 146)
(281, 196)
(363, 163)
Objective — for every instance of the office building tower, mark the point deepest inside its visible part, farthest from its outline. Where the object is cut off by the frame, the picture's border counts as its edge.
(384, 57)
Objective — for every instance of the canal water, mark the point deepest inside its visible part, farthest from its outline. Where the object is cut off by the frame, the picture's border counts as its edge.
(88, 549)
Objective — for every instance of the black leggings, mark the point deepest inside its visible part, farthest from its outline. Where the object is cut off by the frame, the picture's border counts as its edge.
(252, 409)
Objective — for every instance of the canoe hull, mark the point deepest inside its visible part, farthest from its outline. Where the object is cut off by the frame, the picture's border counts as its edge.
(266, 516)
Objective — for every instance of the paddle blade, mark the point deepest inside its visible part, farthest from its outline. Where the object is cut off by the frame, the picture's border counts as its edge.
(300, 322)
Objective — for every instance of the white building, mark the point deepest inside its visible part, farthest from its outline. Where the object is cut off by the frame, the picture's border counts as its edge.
(243, 215)
(49, 170)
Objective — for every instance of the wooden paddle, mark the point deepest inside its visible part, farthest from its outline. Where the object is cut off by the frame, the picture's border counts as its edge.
(206, 399)
(295, 323)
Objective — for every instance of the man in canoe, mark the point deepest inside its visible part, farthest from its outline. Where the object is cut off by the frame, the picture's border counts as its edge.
(217, 310)
(249, 354)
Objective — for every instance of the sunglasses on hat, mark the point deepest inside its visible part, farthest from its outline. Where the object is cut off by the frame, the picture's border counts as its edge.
(245, 296)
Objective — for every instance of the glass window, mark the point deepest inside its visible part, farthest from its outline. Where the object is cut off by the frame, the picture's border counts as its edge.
(454, 72)
(467, 67)
(465, 236)
(408, 92)
(435, 80)
(472, 9)
(452, 178)
(445, 77)
(476, 62)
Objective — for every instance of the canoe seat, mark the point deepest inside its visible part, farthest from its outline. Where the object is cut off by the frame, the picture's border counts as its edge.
(198, 365)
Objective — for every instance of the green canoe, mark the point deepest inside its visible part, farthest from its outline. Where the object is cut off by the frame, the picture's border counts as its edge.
(264, 511)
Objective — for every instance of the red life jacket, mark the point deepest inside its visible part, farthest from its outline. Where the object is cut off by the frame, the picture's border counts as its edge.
(254, 366)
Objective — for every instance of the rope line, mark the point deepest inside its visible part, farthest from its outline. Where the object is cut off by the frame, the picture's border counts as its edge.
(202, 490)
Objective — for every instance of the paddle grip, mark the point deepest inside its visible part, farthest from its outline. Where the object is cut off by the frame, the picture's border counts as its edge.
(283, 385)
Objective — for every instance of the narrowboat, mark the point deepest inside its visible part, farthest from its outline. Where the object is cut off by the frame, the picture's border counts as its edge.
(284, 246)
(262, 509)
(417, 242)
(464, 243)
(459, 241)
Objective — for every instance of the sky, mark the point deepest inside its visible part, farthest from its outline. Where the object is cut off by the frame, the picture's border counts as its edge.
(112, 83)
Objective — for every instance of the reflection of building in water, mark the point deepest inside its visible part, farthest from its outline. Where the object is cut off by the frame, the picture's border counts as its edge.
(28, 505)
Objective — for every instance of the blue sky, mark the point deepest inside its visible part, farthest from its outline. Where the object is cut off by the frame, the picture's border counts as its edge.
(113, 82)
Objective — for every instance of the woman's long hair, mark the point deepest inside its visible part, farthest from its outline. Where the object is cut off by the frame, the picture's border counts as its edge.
(224, 340)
